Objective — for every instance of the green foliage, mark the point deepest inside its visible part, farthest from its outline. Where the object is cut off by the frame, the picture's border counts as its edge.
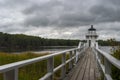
(6, 58)
(116, 71)
(26, 71)
(20, 42)
(116, 53)
(33, 71)
(109, 42)
(57, 62)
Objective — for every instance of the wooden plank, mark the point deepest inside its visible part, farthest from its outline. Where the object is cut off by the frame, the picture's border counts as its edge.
(82, 72)
(87, 70)
(74, 77)
(77, 71)
(92, 67)
(74, 72)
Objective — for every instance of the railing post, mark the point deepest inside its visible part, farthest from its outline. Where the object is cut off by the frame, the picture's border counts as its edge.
(63, 73)
(76, 57)
(11, 75)
(100, 56)
(50, 67)
(70, 63)
(84, 47)
(79, 53)
(107, 67)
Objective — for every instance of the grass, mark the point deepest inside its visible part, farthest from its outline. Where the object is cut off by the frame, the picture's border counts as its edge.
(32, 71)
(116, 71)
(6, 58)
(57, 62)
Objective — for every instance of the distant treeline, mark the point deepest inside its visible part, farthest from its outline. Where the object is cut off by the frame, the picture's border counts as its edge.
(21, 42)
(109, 42)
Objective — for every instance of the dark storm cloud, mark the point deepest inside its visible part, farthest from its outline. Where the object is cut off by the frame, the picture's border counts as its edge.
(66, 16)
(37, 21)
(57, 13)
(42, 7)
(105, 13)
(76, 19)
(72, 13)
(8, 4)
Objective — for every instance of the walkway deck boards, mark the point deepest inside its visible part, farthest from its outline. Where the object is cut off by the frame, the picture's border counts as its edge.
(86, 69)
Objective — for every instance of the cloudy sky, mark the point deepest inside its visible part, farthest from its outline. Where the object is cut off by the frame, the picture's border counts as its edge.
(66, 19)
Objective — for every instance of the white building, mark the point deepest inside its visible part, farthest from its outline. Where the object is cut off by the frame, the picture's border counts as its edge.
(91, 36)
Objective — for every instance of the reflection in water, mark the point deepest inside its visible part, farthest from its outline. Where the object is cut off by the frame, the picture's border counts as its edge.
(49, 49)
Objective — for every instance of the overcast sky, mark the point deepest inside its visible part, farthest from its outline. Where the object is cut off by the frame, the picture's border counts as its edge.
(66, 19)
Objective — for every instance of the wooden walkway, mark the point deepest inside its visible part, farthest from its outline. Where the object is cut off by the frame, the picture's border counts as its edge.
(86, 69)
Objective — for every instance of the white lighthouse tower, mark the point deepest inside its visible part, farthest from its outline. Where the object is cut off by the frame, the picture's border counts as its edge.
(91, 36)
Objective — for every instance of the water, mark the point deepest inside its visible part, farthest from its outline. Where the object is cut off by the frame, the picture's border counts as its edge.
(107, 49)
(49, 49)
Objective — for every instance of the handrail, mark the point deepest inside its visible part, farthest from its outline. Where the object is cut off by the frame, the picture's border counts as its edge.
(110, 58)
(108, 61)
(10, 66)
(10, 71)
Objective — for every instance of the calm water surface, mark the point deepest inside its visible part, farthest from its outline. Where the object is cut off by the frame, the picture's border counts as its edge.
(49, 49)
(107, 49)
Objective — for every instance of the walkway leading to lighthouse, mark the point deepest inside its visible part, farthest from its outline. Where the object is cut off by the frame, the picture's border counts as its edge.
(86, 69)
(88, 61)
(80, 63)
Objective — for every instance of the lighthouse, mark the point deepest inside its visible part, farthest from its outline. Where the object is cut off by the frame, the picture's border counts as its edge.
(91, 36)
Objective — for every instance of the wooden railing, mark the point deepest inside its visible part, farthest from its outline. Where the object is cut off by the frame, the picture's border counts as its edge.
(105, 61)
(11, 71)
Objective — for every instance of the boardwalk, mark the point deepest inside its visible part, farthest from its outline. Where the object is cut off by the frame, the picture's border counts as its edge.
(86, 69)
(82, 64)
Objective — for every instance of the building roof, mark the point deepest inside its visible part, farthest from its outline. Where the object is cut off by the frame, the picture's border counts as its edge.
(92, 28)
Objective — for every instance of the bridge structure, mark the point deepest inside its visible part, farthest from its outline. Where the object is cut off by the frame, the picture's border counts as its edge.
(86, 62)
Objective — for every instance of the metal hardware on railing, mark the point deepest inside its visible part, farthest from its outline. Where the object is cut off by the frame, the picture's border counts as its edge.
(11, 72)
(105, 61)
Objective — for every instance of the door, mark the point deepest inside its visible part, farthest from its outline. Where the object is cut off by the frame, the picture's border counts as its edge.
(89, 43)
